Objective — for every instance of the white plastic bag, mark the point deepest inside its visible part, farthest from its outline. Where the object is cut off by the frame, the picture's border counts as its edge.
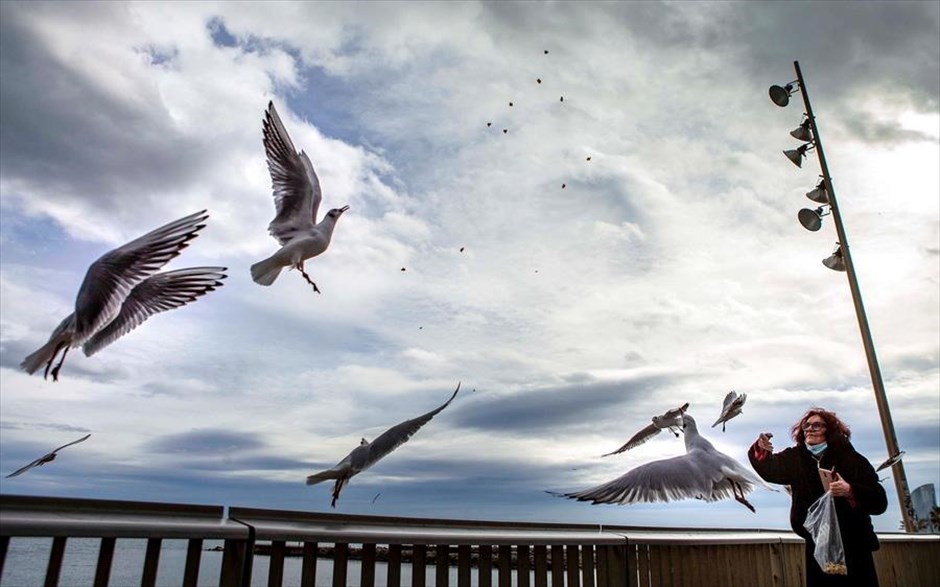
(823, 525)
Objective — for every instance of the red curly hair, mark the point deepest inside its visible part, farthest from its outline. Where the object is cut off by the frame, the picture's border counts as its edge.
(836, 429)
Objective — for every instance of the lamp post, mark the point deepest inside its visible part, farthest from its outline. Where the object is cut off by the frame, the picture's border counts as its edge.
(781, 97)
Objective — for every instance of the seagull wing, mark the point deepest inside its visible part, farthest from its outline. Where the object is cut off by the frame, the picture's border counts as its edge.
(399, 434)
(82, 439)
(665, 480)
(637, 439)
(158, 293)
(296, 186)
(110, 279)
(39, 461)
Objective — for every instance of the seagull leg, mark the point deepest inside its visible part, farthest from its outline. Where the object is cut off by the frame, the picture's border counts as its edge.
(300, 268)
(55, 371)
(739, 495)
(337, 487)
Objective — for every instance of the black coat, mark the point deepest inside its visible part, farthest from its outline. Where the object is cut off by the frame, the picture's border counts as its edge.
(797, 467)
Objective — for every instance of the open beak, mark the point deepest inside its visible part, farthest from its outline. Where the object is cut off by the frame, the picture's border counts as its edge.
(344, 208)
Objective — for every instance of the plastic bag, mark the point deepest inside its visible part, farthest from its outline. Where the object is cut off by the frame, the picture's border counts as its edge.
(823, 525)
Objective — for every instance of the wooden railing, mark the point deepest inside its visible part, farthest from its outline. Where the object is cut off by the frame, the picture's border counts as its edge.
(412, 551)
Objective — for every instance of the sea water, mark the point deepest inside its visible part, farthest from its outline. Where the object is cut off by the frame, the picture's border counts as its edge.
(27, 558)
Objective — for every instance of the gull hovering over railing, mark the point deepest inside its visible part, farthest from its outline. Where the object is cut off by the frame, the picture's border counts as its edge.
(122, 289)
(702, 473)
(46, 458)
(671, 419)
(296, 198)
(731, 408)
(368, 453)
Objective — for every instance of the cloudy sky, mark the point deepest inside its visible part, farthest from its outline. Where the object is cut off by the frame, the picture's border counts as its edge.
(611, 255)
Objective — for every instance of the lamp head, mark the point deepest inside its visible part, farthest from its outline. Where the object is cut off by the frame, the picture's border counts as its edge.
(780, 95)
(802, 132)
(835, 261)
(796, 155)
(819, 193)
(812, 219)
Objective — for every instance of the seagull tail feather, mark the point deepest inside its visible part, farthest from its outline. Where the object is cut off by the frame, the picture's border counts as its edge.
(60, 340)
(265, 272)
(323, 476)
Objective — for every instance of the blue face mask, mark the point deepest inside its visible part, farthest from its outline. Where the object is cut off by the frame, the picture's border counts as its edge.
(816, 449)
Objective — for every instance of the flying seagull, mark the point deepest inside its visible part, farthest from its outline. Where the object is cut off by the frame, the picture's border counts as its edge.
(672, 419)
(890, 461)
(296, 199)
(701, 473)
(731, 408)
(122, 289)
(368, 453)
(46, 458)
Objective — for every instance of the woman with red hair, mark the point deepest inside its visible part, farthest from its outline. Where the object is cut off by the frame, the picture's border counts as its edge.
(822, 442)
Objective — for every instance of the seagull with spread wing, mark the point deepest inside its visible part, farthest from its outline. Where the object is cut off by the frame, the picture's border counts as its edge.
(368, 453)
(46, 458)
(122, 289)
(296, 197)
(671, 419)
(731, 408)
(702, 473)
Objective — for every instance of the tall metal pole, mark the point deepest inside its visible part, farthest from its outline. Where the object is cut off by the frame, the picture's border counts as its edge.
(891, 440)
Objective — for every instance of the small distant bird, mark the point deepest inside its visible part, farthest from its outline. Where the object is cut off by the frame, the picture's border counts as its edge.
(702, 473)
(671, 419)
(510, 104)
(731, 408)
(588, 158)
(376, 496)
(461, 249)
(546, 51)
(563, 185)
(402, 268)
(46, 458)
(368, 453)
(539, 80)
(505, 130)
(562, 99)
(297, 198)
(890, 461)
(488, 124)
(122, 289)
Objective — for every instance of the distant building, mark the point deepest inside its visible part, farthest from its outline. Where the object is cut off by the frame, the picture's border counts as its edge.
(924, 499)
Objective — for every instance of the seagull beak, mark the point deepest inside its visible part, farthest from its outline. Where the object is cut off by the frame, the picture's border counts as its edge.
(344, 208)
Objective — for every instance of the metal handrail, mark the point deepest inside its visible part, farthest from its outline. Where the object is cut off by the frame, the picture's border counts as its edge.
(611, 554)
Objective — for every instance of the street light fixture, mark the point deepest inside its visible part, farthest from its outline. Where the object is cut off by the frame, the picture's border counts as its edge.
(812, 219)
(796, 155)
(841, 260)
(818, 194)
(835, 261)
(802, 132)
(781, 95)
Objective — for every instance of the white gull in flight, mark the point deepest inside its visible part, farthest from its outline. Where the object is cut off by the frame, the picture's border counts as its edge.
(368, 453)
(296, 198)
(702, 473)
(731, 408)
(122, 289)
(671, 419)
